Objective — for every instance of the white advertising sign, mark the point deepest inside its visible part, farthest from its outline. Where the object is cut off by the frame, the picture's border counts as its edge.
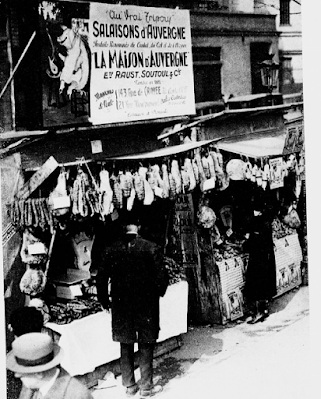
(276, 177)
(141, 66)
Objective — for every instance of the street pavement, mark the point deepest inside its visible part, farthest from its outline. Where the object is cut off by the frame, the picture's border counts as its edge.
(271, 359)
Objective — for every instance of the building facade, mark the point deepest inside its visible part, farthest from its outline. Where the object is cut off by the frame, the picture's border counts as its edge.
(228, 43)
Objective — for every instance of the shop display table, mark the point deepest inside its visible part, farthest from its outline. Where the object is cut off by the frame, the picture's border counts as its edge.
(87, 343)
(232, 271)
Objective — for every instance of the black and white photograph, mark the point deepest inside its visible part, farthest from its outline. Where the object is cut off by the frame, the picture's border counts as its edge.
(155, 190)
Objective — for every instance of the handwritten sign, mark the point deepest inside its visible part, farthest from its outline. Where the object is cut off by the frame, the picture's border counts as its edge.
(37, 178)
(184, 224)
(141, 65)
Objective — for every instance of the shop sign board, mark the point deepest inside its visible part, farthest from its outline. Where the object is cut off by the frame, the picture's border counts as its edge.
(294, 139)
(276, 175)
(106, 63)
(37, 178)
(141, 65)
(184, 225)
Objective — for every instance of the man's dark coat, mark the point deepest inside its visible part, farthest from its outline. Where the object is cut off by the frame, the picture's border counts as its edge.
(138, 278)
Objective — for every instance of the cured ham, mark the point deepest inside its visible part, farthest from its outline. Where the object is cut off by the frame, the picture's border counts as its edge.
(106, 205)
(126, 183)
(177, 176)
(172, 186)
(211, 166)
(149, 193)
(139, 186)
(198, 160)
(79, 200)
(196, 170)
(117, 192)
(189, 169)
(59, 191)
(166, 186)
(206, 167)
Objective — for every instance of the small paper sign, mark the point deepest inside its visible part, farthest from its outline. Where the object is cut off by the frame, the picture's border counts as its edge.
(75, 290)
(37, 248)
(158, 191)
(96, 146)
(61, 202)
(229, 232)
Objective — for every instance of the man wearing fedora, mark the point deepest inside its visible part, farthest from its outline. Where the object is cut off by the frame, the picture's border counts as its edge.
(35, 359)
(134, 267)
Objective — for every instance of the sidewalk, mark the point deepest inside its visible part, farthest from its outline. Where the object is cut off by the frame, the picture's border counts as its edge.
(264, 360)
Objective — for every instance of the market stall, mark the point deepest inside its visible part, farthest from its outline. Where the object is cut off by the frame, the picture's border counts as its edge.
(87, 342)
(191, 201)
(65, 213)
(267, 165)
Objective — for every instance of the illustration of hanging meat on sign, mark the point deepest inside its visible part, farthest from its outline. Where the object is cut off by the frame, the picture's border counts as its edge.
(66, 61)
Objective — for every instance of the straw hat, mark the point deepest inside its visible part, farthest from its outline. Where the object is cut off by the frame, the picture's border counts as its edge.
(33, 353)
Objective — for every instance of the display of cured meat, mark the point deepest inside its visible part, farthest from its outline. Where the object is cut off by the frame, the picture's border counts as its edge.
(172, 186)
(177, 176)
(151, 178)
(259, 176)
(106, 205)
(190, 171)
(149, 193)
(166, 186)
(130, 199)
(34, 212)
(217, 164)
(28, 238)
(33, 281)
(206, 167)
(117, 192)
(248, 170)
(139, 186)
(196, 170)
(185, 179)
(79, 200)
(198, 160)
(159, 180)
(126, 183)
(265, 175)
(211, 166)
(59, 191)
(254, 171)
(220, 158)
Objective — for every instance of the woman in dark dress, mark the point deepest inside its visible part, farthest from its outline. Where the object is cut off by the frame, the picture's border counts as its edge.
(260, 284)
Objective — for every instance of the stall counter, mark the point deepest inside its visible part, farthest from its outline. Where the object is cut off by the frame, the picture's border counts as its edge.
(87, 343)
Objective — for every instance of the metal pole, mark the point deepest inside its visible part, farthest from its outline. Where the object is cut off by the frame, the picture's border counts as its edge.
(17, 65)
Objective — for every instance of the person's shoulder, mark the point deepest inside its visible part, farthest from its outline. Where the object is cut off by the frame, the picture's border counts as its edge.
(76, 388)
(147, 243)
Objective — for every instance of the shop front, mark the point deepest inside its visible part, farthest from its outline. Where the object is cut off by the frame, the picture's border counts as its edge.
(191, 200)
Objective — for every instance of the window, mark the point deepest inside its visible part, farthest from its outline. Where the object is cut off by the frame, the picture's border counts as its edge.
(284, 12)
(286, 71)
(259, 53)
(207, 73)
(3, 19)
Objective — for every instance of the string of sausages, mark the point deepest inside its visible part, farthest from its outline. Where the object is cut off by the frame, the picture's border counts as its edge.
(34, 212)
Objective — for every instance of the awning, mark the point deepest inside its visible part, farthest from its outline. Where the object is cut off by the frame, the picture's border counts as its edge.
(164, 152)
(255, 147)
